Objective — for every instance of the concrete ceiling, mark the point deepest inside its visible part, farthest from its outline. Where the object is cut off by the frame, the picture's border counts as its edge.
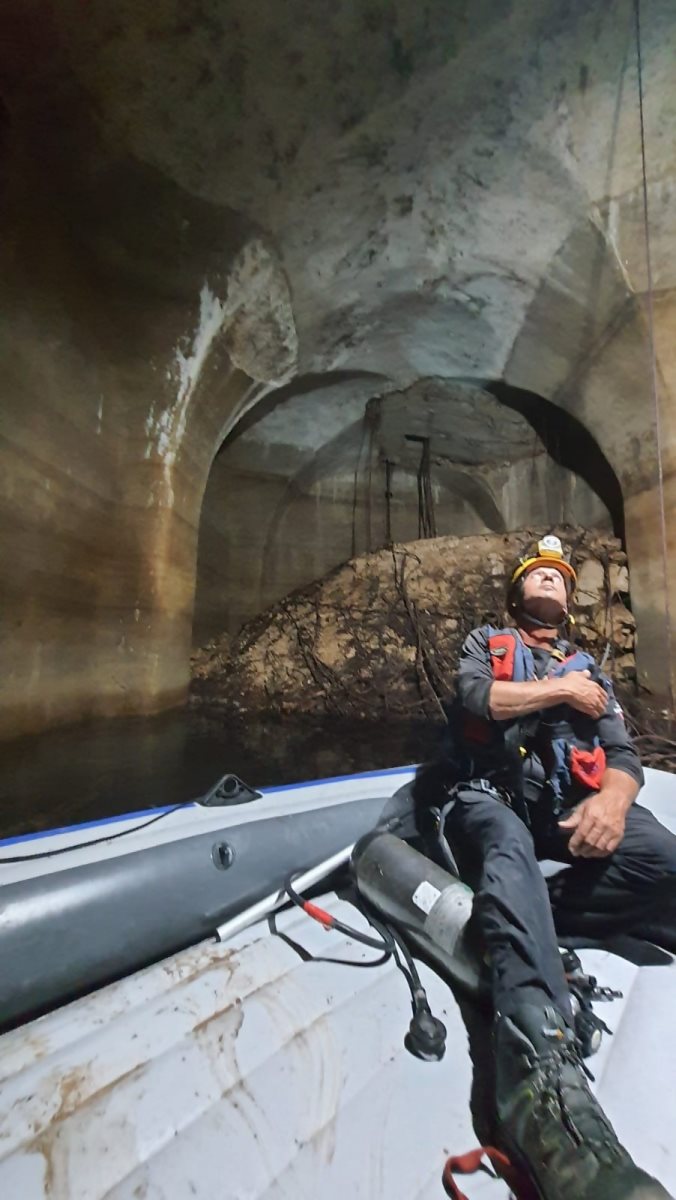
(416, 166)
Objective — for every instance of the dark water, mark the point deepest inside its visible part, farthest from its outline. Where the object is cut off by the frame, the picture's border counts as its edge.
(101, 768)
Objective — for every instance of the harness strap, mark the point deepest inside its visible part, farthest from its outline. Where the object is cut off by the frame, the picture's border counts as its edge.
(440, 821)
(502, 649)
(470, 1163)
(440, 814)
(513, 739)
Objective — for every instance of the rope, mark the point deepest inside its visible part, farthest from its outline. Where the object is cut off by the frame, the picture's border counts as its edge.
(653, 356)
(355, 487)
(468, 1164)
(389, 469)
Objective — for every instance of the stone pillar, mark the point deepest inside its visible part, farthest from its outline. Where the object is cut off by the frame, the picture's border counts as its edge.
(651, 542)
(589, 353)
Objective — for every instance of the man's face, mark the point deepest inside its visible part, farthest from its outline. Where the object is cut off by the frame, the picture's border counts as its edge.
(545, 594)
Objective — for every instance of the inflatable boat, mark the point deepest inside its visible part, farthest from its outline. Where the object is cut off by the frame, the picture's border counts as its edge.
(175, 1028)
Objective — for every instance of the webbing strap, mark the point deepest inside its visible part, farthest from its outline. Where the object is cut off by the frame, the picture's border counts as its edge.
(470, 1163)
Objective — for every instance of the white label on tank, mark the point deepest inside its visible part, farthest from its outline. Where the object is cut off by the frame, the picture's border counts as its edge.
(425, 896)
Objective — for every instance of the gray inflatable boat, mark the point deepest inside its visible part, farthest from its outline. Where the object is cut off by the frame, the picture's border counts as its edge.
(87, 905)
(254, 1065)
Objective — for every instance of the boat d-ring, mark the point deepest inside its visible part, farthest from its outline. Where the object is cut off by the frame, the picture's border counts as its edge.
(222, 855)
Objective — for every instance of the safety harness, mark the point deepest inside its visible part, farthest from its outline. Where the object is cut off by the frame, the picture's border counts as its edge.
(566, 741)
(573, 759)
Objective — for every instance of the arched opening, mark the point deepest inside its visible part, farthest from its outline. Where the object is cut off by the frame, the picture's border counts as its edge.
(569, 444)
(319, 473)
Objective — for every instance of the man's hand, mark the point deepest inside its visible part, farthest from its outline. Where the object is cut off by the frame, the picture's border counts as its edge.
(583, 694)
(597, 825)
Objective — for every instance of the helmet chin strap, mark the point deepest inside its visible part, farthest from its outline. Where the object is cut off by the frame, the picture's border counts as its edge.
(522, 613)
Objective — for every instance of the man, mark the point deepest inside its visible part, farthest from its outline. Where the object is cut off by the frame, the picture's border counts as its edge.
(548, 771)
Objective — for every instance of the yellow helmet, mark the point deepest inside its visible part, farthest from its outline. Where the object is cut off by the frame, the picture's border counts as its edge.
(549, 553)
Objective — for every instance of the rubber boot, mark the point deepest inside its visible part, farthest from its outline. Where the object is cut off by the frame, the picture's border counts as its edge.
(549, 1123)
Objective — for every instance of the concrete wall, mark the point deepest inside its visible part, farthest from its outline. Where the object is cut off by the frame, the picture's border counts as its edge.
(119, 380)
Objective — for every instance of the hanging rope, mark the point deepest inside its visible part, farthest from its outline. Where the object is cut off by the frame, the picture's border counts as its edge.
(355, 484)
(389, 471)
(653, 355)
(426, 521)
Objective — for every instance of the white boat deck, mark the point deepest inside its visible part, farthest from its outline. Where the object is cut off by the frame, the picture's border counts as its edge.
(241, 1072)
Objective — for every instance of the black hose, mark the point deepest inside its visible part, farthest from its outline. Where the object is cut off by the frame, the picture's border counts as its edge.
(426, 1037)
(109, 837)
(375, 943)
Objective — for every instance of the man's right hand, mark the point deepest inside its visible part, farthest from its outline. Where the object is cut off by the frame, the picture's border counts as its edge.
(580, 691)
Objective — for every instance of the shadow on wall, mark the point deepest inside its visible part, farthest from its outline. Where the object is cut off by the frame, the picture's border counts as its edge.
(477, 494)
(569, 443)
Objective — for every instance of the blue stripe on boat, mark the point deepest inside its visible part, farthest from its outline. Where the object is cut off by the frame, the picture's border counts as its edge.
(154, 812)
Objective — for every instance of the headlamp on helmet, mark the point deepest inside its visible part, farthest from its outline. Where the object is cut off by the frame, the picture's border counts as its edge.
(549, 553)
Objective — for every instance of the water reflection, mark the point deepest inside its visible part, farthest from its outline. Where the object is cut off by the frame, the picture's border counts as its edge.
(105, 767)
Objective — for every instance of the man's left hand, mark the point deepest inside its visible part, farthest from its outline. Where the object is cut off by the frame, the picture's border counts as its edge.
(597, 825)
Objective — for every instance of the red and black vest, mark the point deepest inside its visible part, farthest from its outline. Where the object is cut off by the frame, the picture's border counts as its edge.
(567, 742)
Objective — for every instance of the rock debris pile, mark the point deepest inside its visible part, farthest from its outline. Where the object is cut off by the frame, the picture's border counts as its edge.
(380, 635)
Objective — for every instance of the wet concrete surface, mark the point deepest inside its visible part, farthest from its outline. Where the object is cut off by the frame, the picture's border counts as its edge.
(88, 771)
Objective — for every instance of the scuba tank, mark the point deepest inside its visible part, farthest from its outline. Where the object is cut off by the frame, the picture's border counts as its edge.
(428, 905)
(431, 908)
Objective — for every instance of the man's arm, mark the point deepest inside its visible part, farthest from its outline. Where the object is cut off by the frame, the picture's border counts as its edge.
(501, 701)
(622, 757)
(509, 700)
(578, 689)
(597, 824)
(621, 786)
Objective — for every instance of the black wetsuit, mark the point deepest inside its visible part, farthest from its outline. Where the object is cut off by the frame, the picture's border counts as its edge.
(518, 912)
